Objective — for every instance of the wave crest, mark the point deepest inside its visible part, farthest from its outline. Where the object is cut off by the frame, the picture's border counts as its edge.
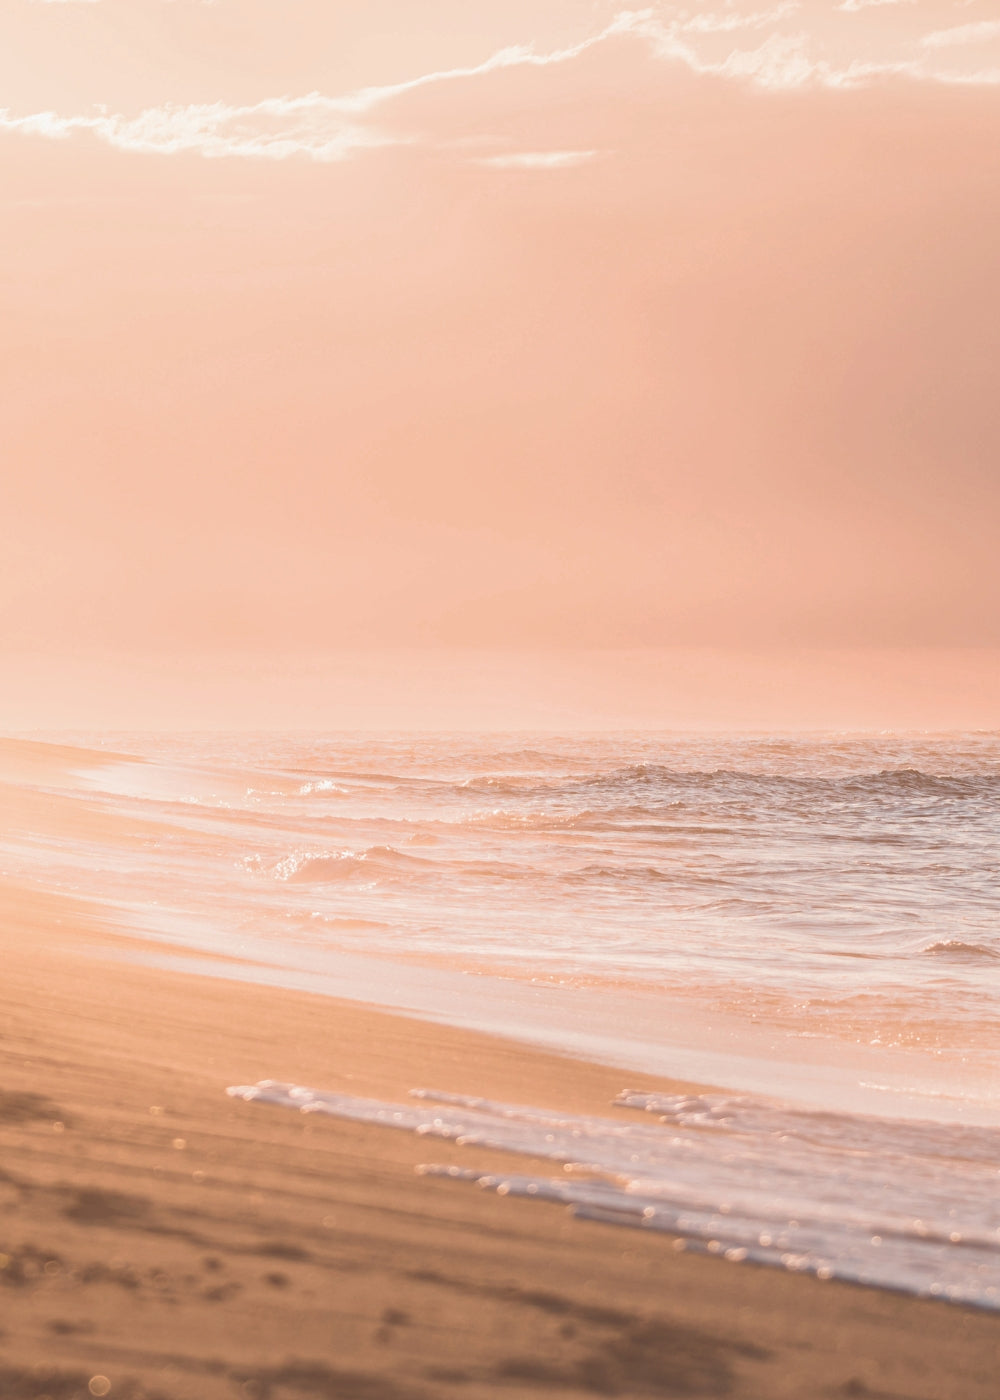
(962, 950)
(320, 867)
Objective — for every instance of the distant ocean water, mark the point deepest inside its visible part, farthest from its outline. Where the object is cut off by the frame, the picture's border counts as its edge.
(837, 892)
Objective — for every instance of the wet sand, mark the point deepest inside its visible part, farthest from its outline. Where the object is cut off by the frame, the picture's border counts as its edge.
(159, 1241)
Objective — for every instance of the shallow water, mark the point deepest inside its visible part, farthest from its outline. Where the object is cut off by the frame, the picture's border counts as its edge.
(810, 917)
(847, 884)
(879, 1202)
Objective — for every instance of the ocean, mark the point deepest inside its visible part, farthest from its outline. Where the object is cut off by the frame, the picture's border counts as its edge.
(808, 926)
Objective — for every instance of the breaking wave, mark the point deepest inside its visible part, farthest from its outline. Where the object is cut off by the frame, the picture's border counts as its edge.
(909, 1206)
(320, 867)
(807, 870)
(962, 950)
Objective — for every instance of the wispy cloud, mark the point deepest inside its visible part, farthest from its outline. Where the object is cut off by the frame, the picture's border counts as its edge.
(853, 6)
(726, 22)
(333, 128)
(978, 33)
(317, 126)
(980, 77)
(538, 160)
(320, 127)
(273, 129)
(782, 61)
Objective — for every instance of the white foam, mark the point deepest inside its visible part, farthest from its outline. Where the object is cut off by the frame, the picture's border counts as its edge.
(902, 1205)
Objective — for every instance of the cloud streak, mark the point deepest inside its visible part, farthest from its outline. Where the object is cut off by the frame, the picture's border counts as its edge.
(274, 129)
(315, 125)
(326, 128)
(981, 32)
(538, 160)
(852, 7)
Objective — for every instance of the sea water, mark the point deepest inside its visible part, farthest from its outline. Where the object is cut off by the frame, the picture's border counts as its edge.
(809, 921)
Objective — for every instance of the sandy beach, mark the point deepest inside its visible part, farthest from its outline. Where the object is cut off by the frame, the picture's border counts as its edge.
(499, 700)
(158, 1239)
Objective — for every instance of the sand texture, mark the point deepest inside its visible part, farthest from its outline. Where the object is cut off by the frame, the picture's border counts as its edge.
(159, 1241)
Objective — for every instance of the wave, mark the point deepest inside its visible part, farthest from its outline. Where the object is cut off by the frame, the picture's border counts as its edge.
(510, 783)
(638, 875)
(660, 780)
(908, 1206)
(904, 780)
(508, 819)
(907, 781)
(961, 950)
(650, 784)
(768, 871)
(319, 867)
(360, 777)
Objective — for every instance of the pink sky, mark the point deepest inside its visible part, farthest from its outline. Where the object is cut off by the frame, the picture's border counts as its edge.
(331, 326)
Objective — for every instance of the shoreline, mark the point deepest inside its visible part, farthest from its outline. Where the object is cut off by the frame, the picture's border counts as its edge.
(763, 1048)
(187, 1246)
(638, 1032)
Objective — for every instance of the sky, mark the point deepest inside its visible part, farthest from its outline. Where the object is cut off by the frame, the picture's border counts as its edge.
(542, 327)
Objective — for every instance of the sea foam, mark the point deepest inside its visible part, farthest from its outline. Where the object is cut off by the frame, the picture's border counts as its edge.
(902, 1205)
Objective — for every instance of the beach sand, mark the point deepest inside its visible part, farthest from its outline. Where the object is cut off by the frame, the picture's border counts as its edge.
(158, 1239)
